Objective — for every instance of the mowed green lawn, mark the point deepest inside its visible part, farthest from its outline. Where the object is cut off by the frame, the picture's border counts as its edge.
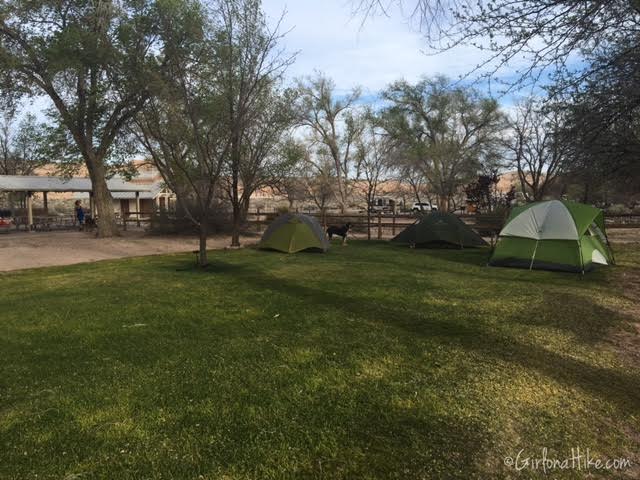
(371, 361)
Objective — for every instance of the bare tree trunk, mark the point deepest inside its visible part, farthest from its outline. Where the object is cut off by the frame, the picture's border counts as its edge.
(102, 197)
(236, 224)
(538, 193)
(443, 203)
(235, 195)
(202, 252)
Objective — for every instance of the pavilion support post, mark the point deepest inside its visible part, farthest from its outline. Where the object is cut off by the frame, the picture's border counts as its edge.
(138, 208)
(30, 211)
(45, 200)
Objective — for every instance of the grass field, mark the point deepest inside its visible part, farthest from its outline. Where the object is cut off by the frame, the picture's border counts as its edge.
(371, 361)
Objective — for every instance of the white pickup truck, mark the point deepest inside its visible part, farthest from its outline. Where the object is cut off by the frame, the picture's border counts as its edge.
(423, 207)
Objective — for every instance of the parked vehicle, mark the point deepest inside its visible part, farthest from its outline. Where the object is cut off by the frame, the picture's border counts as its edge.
(423, 207)
(383, 205)
(5, 221)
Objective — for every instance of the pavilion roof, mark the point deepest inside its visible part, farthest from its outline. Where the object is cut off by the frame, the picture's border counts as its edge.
(33, 183)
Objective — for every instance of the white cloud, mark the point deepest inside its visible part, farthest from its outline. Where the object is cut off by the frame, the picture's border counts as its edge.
(372, 55)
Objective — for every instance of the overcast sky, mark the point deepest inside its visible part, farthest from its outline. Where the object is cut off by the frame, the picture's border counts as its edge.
(330, 39)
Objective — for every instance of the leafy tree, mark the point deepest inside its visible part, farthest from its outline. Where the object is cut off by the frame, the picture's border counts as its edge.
(291, 183)
(265, 158)
(584, 52)
(251, 65)
(602, 125)
(335, 127)
(484, 194)
(447, 132)
(319, 182)
(21, 145)
(183, 127)
(539, 151)
(372, 160)
(90, 59)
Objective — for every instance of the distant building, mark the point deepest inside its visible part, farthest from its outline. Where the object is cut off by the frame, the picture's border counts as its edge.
(155, 195)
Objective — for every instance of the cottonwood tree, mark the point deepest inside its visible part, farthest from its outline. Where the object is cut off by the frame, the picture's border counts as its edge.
(89, 58)
(251, 63)
(538, 150)
(446, 132)
(406, 172)
(184, 126)
(334, 125)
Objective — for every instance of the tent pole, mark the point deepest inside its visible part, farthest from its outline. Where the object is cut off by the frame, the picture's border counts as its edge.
(533, 257)
(613, 257)
(581, 259)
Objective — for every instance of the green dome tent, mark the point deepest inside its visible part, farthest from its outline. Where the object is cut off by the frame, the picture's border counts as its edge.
(294, 232)
(439, 229)
(553, 235)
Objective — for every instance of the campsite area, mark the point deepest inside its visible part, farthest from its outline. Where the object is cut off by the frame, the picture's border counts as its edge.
(370, 361)
(335, 240)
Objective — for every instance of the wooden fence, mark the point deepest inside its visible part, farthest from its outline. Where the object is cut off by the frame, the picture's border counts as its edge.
(376, 225)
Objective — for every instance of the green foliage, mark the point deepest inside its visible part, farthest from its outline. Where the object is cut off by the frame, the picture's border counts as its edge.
(23, 145)
(447, 133)
(334, 125)
(91, 59)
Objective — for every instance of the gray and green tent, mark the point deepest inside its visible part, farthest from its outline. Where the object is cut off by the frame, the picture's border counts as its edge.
(553, 235)
(293, 232)
(439, 229)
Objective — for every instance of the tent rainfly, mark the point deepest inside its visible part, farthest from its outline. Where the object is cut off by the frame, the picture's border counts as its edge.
(293, 232)
(553, 235)
(439, 229)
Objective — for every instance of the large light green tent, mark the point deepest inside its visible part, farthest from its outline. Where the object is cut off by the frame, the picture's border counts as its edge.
(439, 229)
(553, 235)
(293, 232)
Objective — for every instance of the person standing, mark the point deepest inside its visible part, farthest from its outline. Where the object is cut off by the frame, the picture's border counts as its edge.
(80, 214)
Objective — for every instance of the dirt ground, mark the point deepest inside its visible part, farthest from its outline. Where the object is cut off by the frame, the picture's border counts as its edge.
(19, 250)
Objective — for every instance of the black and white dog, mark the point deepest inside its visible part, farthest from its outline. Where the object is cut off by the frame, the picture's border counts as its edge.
(342, 231)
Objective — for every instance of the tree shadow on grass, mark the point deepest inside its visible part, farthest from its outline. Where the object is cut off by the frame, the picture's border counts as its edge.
(254, 419)
(618, 388)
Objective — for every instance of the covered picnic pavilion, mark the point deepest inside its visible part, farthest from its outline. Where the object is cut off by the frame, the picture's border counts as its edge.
(30, 184)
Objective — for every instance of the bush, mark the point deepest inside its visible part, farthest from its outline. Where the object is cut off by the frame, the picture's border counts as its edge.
(169, 223)
(618, 209)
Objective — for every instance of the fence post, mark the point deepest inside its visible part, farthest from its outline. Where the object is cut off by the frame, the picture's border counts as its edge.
(258, 219)
(138, 208)
(393, 225)
(379, 225)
